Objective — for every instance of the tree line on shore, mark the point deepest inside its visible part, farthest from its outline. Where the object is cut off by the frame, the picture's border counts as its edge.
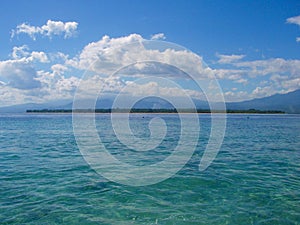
(135, 110)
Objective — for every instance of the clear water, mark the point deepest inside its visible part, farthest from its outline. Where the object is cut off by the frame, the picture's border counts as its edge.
(255, 178)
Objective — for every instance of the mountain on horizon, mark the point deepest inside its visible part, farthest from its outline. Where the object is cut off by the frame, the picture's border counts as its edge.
(289, 103)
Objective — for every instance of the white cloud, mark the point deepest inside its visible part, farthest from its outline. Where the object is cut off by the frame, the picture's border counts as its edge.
(291, 84)
(263, 67)
(294, 20)
(285, 82)
(39, 56)
(159, 36)
(111, 54)
(156, 89)
(280, 75)
(229, 58)
(108, 54)
(20, 52)
(11, 96)
(230, 74)
(274, 75)
(59, 56)
(55, 86)
(59, 69)
(142, 69)
(50, 29)
(90, 87)
(27, 29)
(242, 81)
(259, 92)
(234, 96)
(19, 74)
(270, 66)
(67, 85)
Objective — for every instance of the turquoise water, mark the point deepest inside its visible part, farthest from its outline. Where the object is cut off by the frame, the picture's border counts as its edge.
(255, 178)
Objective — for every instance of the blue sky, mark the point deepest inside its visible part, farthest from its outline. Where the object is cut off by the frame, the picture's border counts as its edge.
(251, 46)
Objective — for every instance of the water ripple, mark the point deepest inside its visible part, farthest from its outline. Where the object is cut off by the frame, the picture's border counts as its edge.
(255, 178)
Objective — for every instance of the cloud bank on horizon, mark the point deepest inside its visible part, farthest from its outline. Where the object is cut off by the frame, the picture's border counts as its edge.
(41, 76)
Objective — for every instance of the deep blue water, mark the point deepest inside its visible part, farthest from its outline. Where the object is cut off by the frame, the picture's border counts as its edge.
(255, 178)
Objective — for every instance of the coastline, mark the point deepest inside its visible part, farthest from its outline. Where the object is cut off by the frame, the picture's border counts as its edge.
(156, 111)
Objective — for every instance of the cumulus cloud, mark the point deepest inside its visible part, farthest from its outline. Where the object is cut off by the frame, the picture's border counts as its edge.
(50, 29)
(11, 96)
(154, 88)
(21, 81)
(270, 66)
(59, 56)
(19, 74)
(129, 58)
(55, 85)
(256, 68)
(291, 84)
(59, 69)
(270, 76)
(285, 82)
(229, 58)
(294, 20)
(22, 53)
(90, 87)
(231, 74)
(242, 81)
(263, 91)
(142, 69)
(159, 36)
(39, 56)
(234, 96)
(109, 55)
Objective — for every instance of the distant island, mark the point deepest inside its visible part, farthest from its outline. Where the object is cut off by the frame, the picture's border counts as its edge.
(138, 110)
(278, 103)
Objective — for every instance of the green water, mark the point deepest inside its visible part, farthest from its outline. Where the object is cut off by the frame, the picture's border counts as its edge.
(255, 178)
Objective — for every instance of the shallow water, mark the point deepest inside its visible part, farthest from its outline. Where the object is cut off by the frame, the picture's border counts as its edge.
(254, 179)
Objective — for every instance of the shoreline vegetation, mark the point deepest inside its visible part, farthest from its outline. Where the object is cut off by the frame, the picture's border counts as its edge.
(134, 110)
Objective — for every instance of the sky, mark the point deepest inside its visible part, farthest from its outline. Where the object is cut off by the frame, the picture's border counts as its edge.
(251, 47)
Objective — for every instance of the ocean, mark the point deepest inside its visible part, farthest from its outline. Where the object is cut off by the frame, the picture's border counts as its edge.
(254, 179)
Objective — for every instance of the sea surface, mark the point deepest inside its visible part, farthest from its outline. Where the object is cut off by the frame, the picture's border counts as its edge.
(255, 178)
